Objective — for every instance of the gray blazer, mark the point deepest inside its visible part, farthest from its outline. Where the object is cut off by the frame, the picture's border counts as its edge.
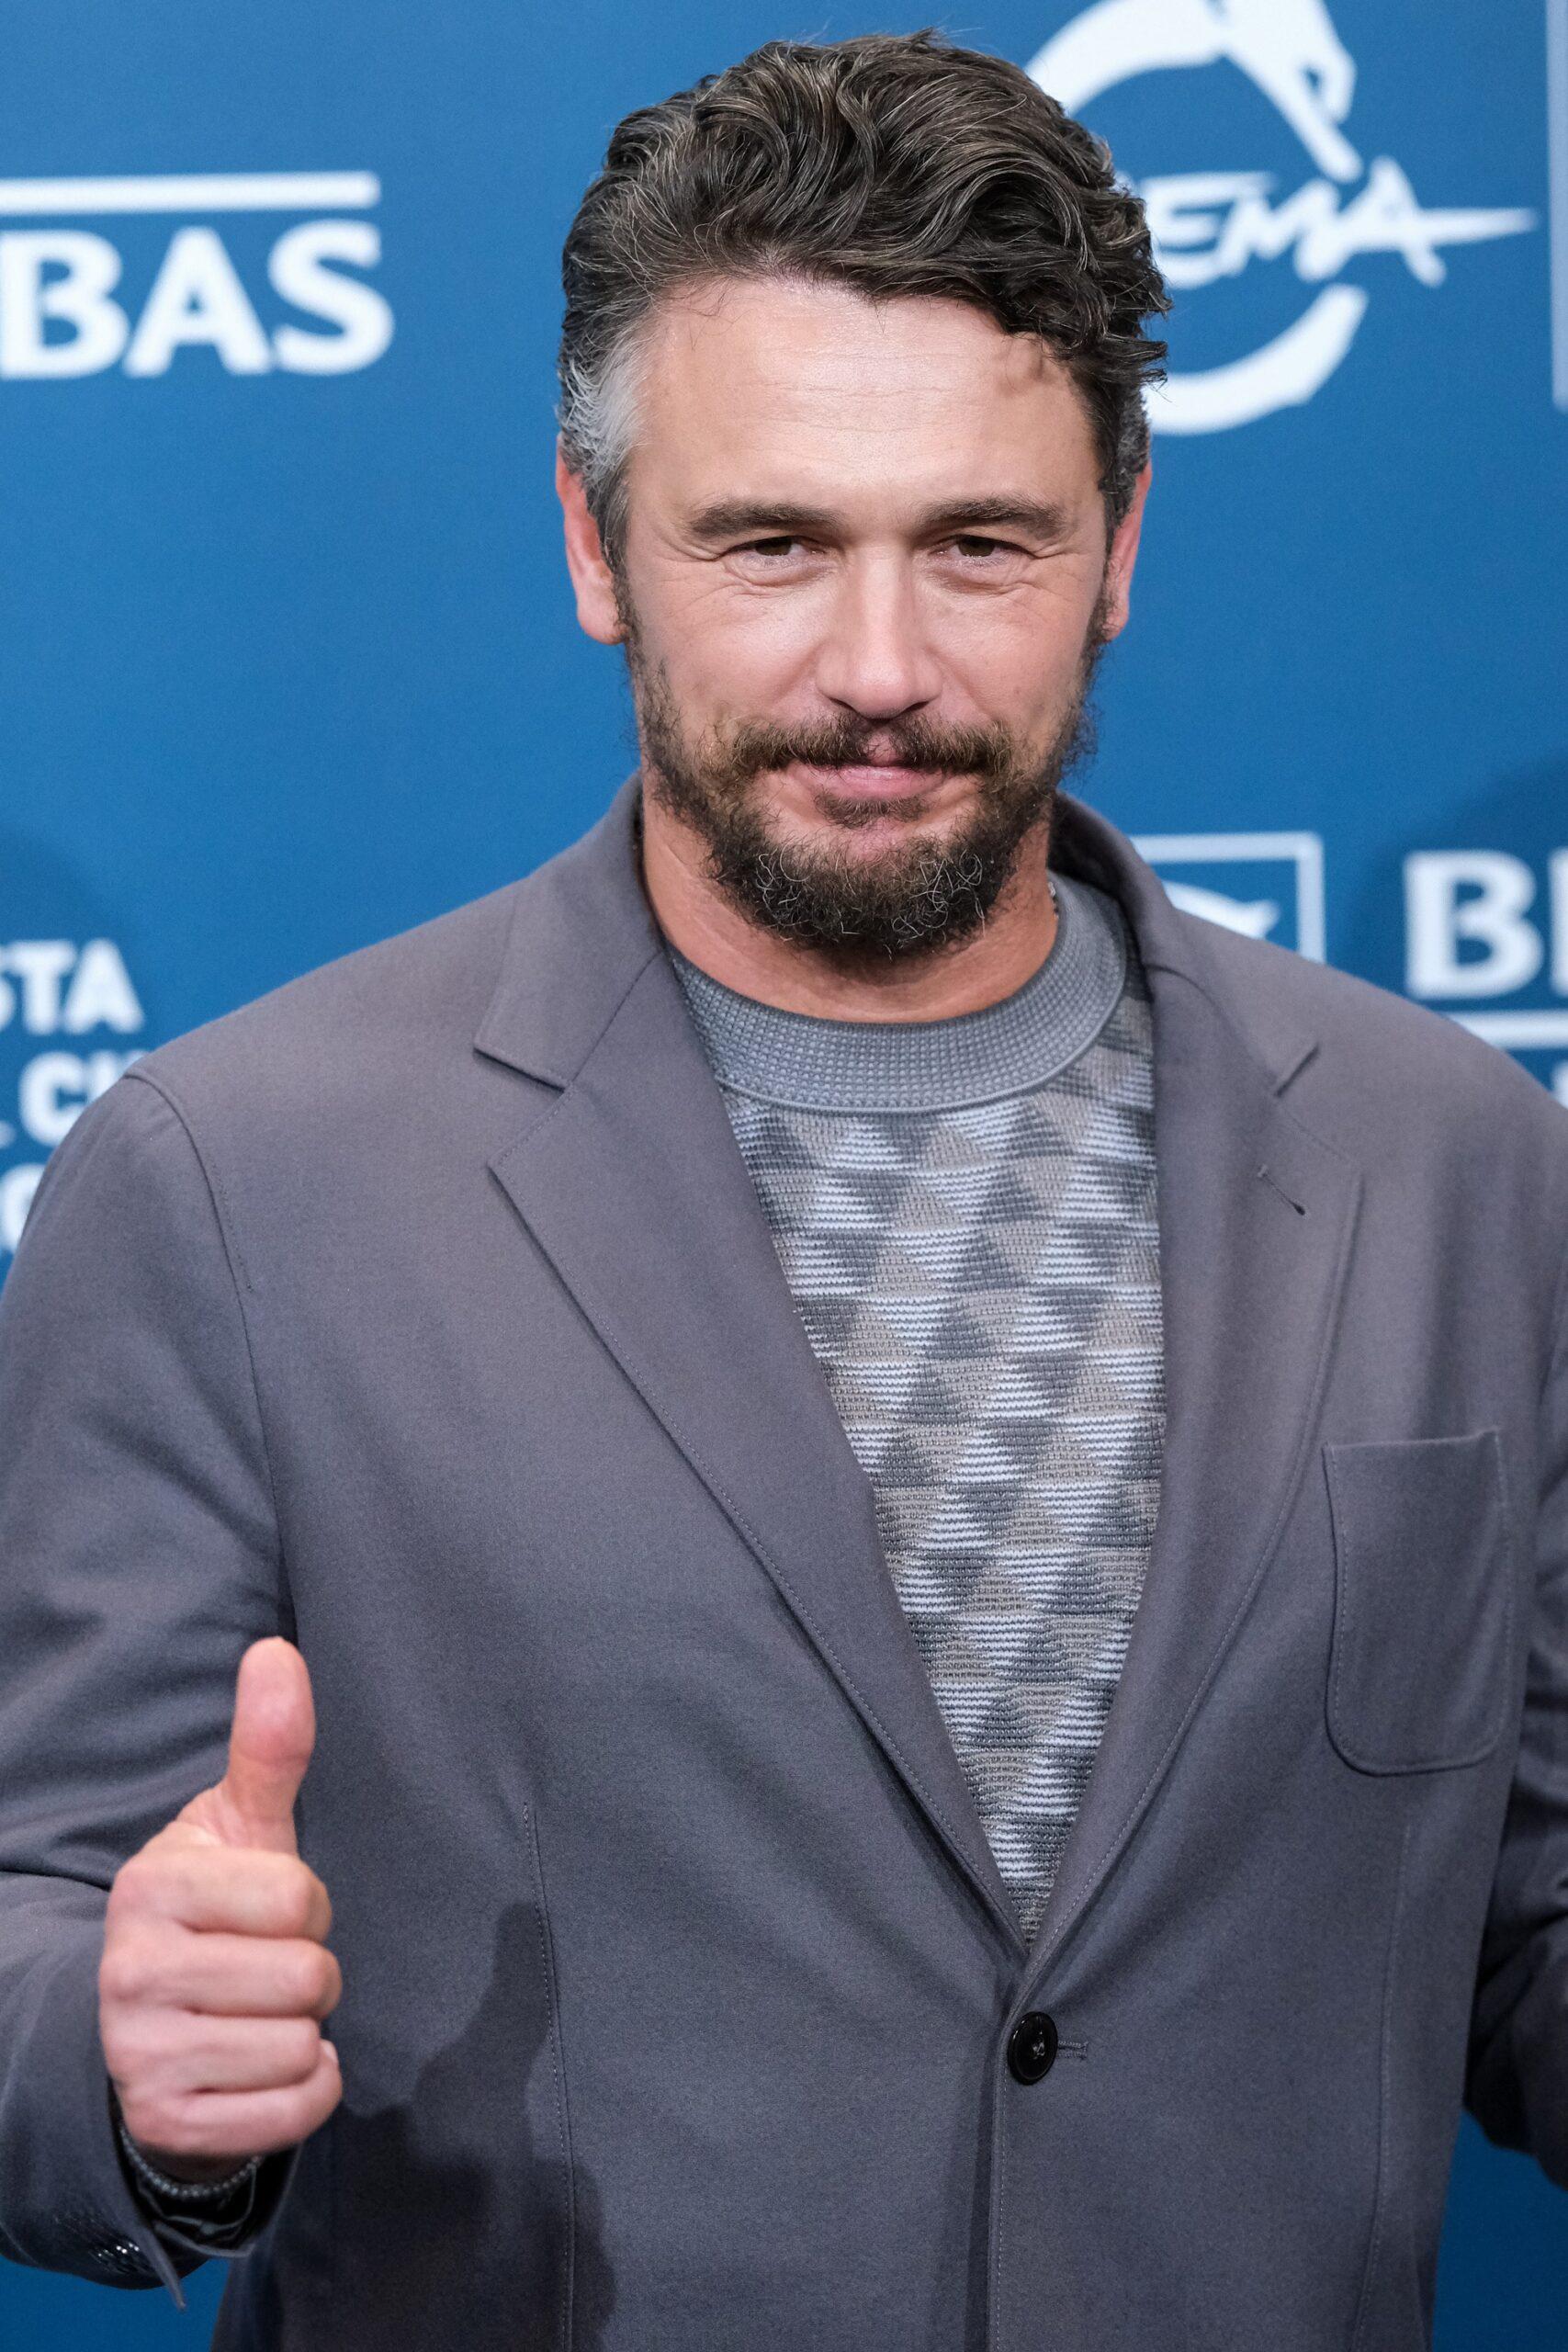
(426, 1311)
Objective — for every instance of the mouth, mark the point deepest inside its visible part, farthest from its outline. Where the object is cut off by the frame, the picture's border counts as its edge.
(870, 782)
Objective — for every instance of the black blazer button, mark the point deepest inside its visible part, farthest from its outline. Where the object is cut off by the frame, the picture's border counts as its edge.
(1031, 2046)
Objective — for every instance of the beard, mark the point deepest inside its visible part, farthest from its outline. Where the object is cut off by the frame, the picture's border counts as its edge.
(918, 898)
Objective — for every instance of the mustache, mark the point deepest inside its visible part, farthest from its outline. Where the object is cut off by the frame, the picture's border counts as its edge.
(847, 742)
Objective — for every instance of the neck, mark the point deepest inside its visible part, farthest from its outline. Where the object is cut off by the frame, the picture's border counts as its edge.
(993, 962)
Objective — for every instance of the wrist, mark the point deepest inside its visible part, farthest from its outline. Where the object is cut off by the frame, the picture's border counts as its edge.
(216, 2188)
(195, 2181)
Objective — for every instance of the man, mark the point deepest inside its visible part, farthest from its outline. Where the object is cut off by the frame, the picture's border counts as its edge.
(898, 1521)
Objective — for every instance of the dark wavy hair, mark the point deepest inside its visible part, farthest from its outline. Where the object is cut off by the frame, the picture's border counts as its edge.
(893, 163)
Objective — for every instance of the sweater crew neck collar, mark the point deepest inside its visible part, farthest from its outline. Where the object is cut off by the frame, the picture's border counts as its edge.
(799, 1061)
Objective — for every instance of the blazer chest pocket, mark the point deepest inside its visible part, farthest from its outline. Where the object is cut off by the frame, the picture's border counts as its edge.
(1423, 1601)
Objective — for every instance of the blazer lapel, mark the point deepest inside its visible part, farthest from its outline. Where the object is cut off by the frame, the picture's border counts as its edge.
(1255, 1217)
(630, 1180)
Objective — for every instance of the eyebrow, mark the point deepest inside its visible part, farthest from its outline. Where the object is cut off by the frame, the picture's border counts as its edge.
(731, 519)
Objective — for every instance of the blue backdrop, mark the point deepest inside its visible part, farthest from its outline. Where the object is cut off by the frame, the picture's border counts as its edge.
(287, 661)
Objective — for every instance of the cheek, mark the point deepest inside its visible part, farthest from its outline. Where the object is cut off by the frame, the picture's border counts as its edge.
(735, 653)
(1017, 657)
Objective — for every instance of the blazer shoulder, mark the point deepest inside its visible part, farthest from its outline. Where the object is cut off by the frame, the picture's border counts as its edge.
(1373, 1062)
(385, 1015)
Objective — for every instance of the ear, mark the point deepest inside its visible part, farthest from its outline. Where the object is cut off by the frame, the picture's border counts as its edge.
(1121, 556)
(598, 608)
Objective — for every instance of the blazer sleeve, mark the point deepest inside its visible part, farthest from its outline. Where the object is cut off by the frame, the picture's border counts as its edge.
(139, 1555)
(1517, 2083)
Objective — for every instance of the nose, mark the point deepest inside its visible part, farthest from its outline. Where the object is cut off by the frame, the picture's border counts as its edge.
(874, 658)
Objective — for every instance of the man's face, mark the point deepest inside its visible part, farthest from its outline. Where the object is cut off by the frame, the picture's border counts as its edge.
(865, 583)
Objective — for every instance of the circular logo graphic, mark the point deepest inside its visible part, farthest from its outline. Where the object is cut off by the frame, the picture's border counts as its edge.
(1209, 225)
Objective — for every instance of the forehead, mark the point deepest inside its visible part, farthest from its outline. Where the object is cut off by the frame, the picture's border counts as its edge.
(801, 387)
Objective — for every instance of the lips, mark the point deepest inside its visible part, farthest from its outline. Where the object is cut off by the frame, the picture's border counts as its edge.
(872, 783)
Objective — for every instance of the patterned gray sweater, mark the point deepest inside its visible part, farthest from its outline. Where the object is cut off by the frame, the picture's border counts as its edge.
(964, 1211)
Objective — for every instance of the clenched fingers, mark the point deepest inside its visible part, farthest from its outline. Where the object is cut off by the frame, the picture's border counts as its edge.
(229, 2125)
(170, 2052)
(168, 1966)
(238, 1890)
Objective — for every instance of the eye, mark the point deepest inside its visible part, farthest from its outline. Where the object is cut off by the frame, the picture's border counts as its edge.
(779, 544)
(975, 544)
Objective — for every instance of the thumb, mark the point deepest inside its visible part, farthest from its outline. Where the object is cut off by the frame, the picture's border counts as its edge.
(270, 1742)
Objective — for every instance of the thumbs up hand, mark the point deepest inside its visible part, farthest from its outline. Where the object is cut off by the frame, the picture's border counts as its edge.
(215, 1976)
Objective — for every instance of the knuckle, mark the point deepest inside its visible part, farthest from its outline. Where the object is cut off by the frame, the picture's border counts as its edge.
(326, 2099)
(133, 1884)
(311, 1979)
(123, 1973)
(301, 2048)
(306, 1900)
(131, 2050)
(262, 1893)
(301, 1894)
(120, 2056)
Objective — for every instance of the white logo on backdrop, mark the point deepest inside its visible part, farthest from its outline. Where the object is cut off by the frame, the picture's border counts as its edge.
(61, 314)
(56, 995)
(1478, 926)
(1255, 917)
(1209, 225)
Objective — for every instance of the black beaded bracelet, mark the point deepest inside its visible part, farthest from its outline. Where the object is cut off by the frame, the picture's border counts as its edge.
(183, 2192)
